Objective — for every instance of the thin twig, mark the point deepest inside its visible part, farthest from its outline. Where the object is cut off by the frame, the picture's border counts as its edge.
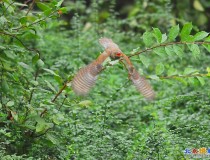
(14, 36)
(30, 8)
(60, 91)
(43, 19)
(7, 8)
(183, 76)
(164, 45)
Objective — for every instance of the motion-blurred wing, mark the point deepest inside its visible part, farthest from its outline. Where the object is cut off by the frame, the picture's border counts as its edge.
(108, 43)
(86, 78)
(142, 85)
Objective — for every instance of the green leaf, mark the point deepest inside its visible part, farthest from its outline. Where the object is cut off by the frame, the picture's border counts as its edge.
(201, 80)
(10, 103)
(194, 49)
(40, 63)
(24, 65)
(59, 3)
(35, 58)
(155, 77)
(42, 6)
(5, 86)
(160, 51)
(171, 71)
(200, 35)
(58, 118)
(178, 50)
(157, 34)
(148, 39)
(169, 50)
(198, 6)
(23, 20)
(85, 103)
(40, 127)
(207, 47)
(50, 71)
(47, 12)
(50, 86)
(164, 37)
(159, 68)
(144, 60)
(185, 32)
(173, 32)
(3, 20)
(189, 70)
(52, 138)
(63, 9)
(14, 115)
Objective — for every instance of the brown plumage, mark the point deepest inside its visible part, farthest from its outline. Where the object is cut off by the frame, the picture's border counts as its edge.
(141, 84)
(86, 77)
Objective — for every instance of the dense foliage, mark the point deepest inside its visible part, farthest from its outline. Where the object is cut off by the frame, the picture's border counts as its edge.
(42, 46)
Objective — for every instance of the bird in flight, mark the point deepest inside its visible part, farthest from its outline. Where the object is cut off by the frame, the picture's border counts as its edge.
(86, 77)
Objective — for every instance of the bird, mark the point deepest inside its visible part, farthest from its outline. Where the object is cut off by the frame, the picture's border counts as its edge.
(86, 77)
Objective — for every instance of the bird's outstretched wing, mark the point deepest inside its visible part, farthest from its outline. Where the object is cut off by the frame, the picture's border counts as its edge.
(142, 85)
(86, 78)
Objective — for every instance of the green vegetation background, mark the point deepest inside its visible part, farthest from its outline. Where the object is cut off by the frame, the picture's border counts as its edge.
(44, 43)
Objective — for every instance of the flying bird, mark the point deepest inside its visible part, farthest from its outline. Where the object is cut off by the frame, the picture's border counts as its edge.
(86, 77)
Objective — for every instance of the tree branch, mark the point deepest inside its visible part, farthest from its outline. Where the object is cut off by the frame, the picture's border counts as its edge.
(166, 44)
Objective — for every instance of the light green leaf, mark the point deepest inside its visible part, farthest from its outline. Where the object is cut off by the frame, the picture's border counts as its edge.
(42, 6)
(178, 50)
(194, 49)
(173, 32)
(85, 103)
(40, 63)
(198, 6)
(50, 86)
(148, 38)
(52, 138)
(200, 35)
(14, 115)
(171, 71)
(157, 34)
(159, 68)
(208, 69)
(24, 65)
(164, 37)
(144, 60)
(10, 103)
(3, 20)
(189, 70)
(59, 3)
(201, 80)
(160, 51)
(185, 32)
(40, 127)
(50, 71)
(169, 50)
(207, 47)
(155, 77)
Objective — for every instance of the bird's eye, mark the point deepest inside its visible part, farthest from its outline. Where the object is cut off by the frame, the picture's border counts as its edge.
(118, 54)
